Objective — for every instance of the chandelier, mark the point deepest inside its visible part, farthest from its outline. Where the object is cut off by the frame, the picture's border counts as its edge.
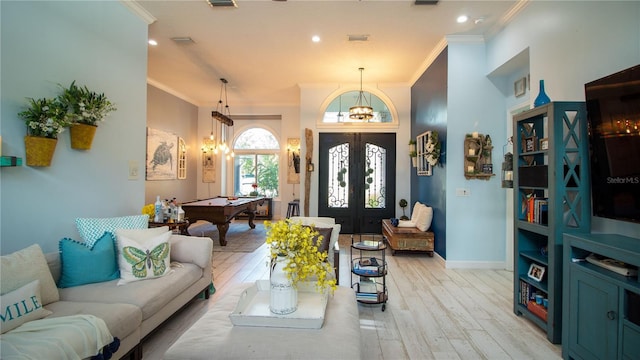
(360, 112)
(221, 115)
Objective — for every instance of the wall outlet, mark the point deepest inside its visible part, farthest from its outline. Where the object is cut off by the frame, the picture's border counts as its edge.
(463, 192)
(133, 170)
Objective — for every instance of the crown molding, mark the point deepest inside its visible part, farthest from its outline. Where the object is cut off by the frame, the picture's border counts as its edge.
(440, 46)
(139, 11)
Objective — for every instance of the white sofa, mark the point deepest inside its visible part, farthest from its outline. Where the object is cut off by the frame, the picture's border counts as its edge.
(133, 310)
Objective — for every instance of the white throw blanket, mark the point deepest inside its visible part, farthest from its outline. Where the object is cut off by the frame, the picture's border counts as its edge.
(66, 337)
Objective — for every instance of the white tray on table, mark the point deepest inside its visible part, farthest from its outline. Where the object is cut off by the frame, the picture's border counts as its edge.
(253, 308)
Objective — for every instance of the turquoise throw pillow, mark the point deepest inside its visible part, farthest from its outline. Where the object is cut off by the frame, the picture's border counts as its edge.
(82, 265)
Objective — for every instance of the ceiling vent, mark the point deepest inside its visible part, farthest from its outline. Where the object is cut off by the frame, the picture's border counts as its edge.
(426, 2)
(183, 40)
(358, 37)
(215, 3)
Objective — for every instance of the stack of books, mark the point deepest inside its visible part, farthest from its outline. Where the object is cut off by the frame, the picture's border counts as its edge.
(368, 290)
(369, 266)
(537, 210)
(527, 292)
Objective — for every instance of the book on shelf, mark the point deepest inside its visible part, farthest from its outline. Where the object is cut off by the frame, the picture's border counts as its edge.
(527, 293)
(367, 270)
(369, 262)
(537, 210)
(367, 297)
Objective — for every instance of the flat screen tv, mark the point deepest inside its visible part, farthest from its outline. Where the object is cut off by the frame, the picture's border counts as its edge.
(613, 113)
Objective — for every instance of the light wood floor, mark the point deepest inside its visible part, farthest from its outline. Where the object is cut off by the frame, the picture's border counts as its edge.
(432, 312)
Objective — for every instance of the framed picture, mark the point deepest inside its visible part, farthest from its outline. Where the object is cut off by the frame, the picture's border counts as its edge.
(162, 155)
(519, 87)
(536, 272)
(544, 144)
(530, 144)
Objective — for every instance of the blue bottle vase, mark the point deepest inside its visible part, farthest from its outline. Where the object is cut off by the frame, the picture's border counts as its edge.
(542, 96)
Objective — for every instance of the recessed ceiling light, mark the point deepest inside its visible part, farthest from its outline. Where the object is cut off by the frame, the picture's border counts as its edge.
(153, 42)
(462, 19)
(315, 38)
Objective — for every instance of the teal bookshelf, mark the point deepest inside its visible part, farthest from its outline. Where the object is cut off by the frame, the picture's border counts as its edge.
(551, 197)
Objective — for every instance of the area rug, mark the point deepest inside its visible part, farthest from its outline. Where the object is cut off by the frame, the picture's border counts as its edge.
(240, 237)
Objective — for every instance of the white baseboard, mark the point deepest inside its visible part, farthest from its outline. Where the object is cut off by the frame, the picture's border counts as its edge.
(451, 264)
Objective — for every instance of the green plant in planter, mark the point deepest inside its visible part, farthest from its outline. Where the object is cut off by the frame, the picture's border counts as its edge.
(45, 118)
(85, 106)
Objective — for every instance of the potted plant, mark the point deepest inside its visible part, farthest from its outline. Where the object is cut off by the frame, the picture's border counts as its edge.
(86, 108)
(433, 149)
(45, 119)
(403, 204)
(255, 190)
(412, 145)
(414, 158)
(294, 258)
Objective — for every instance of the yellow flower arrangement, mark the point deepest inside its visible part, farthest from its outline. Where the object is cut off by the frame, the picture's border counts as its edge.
(296, 242)
(150, 210)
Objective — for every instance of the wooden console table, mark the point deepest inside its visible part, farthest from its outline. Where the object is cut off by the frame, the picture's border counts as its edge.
(407, 238)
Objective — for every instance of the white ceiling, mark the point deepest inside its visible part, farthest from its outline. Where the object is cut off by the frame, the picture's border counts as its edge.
(264, 48)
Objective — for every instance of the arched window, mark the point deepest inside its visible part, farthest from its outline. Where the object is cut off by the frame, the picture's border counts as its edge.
(338, 109)
(256, 164)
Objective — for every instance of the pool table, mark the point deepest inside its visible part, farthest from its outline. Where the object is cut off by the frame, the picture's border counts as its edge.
(221, 210)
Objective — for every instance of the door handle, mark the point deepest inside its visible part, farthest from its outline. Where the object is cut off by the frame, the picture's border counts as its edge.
(611, 315)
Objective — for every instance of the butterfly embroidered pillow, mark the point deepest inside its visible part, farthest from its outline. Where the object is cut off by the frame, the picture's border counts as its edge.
(144, 257)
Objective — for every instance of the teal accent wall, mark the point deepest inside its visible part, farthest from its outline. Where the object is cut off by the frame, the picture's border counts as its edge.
(429, 112)
(100, 44)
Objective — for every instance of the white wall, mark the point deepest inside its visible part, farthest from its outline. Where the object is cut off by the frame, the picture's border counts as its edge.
(287, 127)
(98, 44)
(475, 223)
(571, 43)
(311, 99)
(169, 113)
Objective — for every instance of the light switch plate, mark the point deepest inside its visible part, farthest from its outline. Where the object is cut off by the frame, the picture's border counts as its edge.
(133, 170)
(463, 192)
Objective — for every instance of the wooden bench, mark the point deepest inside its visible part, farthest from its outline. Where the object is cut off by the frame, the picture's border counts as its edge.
(407, 238)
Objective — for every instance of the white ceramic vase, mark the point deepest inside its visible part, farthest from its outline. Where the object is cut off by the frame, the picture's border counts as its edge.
(284, 297)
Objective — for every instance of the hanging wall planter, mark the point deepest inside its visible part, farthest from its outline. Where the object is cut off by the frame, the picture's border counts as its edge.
(85, 109)
(45, 119)
(82, 136)
(39, 150)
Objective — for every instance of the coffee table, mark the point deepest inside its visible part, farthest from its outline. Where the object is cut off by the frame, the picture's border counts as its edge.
(214, 336)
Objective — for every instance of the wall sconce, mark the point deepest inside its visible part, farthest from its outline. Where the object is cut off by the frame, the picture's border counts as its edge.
(294, 158)
(293, 161)
(208, 160)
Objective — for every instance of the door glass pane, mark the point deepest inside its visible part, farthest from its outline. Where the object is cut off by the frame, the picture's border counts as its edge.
(338, 172)
(374, 177)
